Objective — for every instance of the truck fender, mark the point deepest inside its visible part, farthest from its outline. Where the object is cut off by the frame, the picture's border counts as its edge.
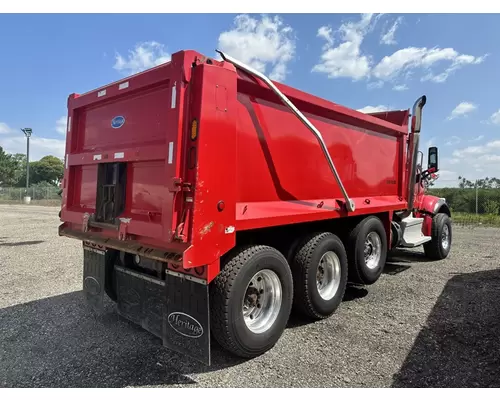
(441, 207)
(430, 207)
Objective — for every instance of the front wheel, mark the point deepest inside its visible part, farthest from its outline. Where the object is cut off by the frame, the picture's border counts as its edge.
(439, 246)
(251, 300)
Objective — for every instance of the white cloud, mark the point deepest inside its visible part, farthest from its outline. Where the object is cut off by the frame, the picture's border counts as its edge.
(400, 88)
(261, 43)
(446, 176)
(495, 118)
(473, 162)
(412, 58)
(326, 33)
(346, 60)
(462, 109)
(454, 140)
(477, 138)
(388, 37)
(431, 142)
(375, 85)
(144, 56)
(490, 148)
(458, 62)
(450, 161)
(61, 125)
(13, 142)
(6, 129)
(373, 109)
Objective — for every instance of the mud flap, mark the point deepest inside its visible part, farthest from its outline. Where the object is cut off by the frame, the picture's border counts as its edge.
(140, 299)
(186, 322)
(94, 262)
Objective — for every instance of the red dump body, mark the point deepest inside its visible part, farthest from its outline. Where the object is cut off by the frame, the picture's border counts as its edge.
(208, 151)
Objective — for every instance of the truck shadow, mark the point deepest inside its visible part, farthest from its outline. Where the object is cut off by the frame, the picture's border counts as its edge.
(400, 260)
(459, 345)
(16, 244)
(352, 292)
(57, 342)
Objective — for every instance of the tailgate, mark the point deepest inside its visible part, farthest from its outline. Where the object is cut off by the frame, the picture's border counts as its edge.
(121, 158)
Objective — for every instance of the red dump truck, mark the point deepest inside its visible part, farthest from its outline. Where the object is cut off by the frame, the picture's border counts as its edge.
(211, 201)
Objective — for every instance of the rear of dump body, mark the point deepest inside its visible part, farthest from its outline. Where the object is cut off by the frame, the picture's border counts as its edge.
(172, 162)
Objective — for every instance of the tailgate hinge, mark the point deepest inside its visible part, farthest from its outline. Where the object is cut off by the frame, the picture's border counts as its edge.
(177, 185)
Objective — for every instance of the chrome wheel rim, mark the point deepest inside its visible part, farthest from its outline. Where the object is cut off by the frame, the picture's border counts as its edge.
(445, 237)
(262, 301)
(328, 275)
(373, 250)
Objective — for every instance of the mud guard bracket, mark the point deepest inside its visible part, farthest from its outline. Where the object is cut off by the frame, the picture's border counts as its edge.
(186, 323)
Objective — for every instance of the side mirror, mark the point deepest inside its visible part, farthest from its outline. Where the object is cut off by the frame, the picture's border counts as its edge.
(432, 162)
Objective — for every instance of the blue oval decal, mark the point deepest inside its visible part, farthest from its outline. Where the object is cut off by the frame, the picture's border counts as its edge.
(117, 122)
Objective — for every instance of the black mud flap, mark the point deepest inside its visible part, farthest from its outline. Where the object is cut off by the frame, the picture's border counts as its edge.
(186, 322)
(140, 299)
(176, 310)
(94, 262)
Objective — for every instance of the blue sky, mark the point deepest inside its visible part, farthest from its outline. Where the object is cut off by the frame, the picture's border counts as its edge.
(377, 61)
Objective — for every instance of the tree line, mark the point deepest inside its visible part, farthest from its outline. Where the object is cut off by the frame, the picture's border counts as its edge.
(483, 193)
(48, 171)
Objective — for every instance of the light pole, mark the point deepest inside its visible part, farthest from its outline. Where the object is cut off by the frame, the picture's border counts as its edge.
(27, 133)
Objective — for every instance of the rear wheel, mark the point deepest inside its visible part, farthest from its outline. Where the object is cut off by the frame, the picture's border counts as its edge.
(367, 251)
(251, 300)
(439, 246)
(320, 275)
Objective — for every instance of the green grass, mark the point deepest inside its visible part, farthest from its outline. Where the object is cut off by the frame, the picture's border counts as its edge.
(473, 219)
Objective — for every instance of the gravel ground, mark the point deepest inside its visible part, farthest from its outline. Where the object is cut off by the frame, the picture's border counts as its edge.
(422, 324)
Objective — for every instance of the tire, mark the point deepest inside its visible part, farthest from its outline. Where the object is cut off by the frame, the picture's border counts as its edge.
(368, 235)
(229, 290)
(436, 248)
(319, 256)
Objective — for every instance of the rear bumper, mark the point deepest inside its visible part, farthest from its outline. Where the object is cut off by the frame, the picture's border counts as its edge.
(89, 238)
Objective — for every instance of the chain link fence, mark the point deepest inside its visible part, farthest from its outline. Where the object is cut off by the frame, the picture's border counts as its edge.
(469, 205)
(40, 195)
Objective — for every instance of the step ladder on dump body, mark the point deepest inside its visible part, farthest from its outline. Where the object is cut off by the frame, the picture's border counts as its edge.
(412, 232)
(286, 101)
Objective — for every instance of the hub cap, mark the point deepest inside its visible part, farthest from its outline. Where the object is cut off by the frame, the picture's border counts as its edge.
(328, 275)
(445, 237)
(373, 250)
(262, 301)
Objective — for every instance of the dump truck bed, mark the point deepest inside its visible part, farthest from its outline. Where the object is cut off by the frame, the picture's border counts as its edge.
(174, 161)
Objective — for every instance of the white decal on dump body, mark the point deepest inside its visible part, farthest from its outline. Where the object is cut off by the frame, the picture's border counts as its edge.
(97, 157)
(119, 155)
(101, 93)
(123, 85)
(229, 229)
(66, 160)
(170, 152)
(174, 95)
(69, 124)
